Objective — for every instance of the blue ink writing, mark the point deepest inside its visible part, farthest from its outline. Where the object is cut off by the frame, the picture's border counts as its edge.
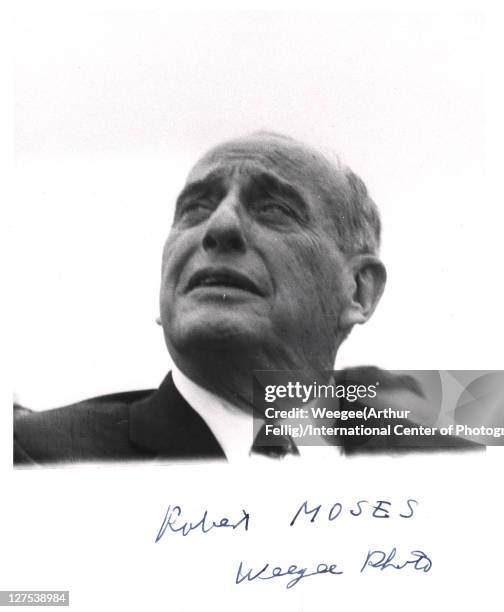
(380, 509)
(173, 521)
(268, 573)
(380, 560)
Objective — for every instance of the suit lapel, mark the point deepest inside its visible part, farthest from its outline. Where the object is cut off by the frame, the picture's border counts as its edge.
(165, 424)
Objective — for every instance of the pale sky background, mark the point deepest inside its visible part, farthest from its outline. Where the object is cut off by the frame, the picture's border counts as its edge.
(112, 108)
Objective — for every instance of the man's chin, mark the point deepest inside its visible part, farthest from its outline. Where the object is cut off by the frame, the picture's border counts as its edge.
(223, 331)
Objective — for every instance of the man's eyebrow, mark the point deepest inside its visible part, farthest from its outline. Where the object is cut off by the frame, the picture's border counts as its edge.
(201, 187)
(272, 185)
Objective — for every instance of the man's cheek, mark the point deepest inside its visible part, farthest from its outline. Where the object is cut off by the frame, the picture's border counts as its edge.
(176, 253)
(309, 263)
(171, 244)
(317, 275)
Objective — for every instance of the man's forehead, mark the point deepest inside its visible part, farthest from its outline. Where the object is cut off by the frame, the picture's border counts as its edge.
(286, 158)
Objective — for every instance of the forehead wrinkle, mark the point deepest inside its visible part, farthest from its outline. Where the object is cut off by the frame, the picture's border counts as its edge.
(192, 188)
(287, 159)
(280, 160)
(287, 172)
(213, 174)
(272, 185)
(267, 180)
(312, 173)
(219, 170)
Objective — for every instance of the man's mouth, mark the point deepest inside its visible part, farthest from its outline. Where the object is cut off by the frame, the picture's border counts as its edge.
(223, 278)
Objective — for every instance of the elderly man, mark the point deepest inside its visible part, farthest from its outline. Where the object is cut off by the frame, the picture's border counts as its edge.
(270, 262)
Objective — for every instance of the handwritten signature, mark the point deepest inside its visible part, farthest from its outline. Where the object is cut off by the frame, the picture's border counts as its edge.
(379, 509)
(278, 572)
(377, 559)
(173, 521)
(381, 560)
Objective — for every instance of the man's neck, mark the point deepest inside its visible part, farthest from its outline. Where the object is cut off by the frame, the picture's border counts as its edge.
(231, 376)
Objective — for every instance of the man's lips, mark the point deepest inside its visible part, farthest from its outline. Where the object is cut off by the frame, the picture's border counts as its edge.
(222, 277)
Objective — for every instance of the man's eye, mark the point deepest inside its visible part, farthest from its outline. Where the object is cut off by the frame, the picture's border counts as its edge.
(273, 210)
(196, 209)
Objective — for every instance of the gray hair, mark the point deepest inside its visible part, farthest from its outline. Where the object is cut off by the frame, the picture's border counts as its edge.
(358, 223)
(360, 228)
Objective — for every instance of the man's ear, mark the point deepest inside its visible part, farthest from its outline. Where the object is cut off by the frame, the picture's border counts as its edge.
(366, 288)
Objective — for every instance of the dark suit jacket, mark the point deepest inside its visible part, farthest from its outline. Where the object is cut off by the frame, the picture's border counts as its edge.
(135, 425)
(150, 424)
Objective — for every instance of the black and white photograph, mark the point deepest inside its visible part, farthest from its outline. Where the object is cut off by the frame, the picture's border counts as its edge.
(256, 289)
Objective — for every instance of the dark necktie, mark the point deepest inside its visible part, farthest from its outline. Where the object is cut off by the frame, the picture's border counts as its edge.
(284, 445)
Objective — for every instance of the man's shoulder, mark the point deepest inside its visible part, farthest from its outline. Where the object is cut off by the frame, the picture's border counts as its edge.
(94, 427)
(130, 426)
(403, 416)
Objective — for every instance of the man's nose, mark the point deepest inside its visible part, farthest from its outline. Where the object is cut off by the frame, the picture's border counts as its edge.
(224, 230)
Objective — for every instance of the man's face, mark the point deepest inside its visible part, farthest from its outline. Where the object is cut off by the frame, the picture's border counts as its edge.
(251, 261)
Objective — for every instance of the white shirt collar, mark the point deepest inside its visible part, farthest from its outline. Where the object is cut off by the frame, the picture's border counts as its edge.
(232, 427)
